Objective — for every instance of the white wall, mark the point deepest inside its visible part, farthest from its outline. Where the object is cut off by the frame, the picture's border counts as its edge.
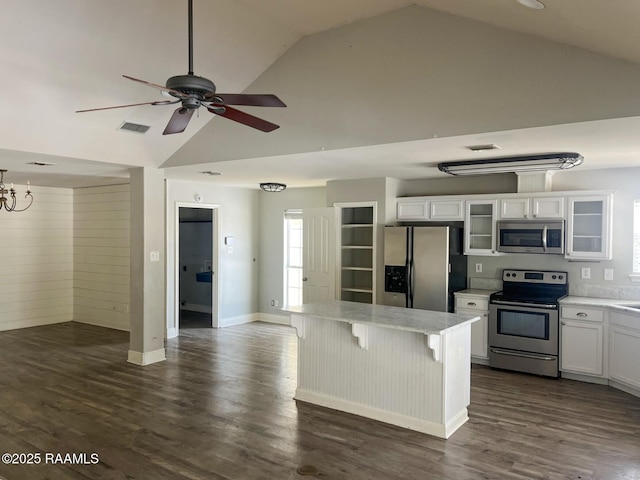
(101, 230)
(272, 208)
(238, 216)
(36, 255)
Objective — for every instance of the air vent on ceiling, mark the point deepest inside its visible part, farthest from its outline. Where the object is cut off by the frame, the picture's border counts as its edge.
(41, 164)
(134, 127)
(483, 148)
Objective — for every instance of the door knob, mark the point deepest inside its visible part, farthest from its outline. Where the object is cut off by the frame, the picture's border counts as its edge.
(304, 279)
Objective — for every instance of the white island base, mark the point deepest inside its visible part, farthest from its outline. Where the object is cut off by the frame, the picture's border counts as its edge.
(409, 368)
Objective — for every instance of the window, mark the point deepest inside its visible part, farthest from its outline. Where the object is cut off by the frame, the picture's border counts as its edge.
(293, 257)
(636, 237)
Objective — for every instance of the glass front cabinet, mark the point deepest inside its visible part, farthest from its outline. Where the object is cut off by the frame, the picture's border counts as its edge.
(589, 227)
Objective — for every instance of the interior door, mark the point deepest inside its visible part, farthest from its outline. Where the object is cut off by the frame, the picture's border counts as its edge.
(319, 260)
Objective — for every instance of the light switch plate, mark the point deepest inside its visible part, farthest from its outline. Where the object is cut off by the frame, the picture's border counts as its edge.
(154, 256)
(608, 273)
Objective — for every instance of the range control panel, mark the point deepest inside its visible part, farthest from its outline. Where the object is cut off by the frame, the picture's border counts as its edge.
(535, 276)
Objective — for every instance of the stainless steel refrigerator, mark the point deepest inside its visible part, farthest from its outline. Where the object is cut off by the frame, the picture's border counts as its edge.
(423, 266)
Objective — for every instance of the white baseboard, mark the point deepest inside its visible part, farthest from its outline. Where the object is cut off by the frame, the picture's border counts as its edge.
(584, 378)
(195, 307)
(38, 322)
(272, 318)
(625, 388)
(102, 323)
(393, 418)
(239, 320)
(172, 332)
(146, 358)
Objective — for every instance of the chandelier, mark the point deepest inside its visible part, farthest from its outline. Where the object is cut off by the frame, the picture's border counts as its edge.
(4, 201)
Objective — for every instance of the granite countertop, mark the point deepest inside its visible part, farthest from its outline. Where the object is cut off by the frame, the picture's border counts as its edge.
(631, 306)
(476, 291)
(408, 319)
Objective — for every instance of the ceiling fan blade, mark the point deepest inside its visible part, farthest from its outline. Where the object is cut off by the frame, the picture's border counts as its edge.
(246, 119)
(249, 99)
(179, 120)
(162, 102)
(155, 85)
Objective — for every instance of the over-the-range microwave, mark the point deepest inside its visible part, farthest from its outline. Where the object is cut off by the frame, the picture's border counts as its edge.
(531, 236)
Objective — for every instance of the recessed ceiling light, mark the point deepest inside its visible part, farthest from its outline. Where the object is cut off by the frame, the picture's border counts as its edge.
(535, 4)
(209, 172)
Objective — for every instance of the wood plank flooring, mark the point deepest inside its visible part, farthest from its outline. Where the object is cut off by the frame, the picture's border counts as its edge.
(221, 407)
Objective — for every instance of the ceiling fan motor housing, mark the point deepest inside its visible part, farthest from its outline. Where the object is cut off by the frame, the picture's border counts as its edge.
(199, 87)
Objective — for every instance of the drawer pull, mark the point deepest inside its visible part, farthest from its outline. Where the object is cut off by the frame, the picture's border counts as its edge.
(471, 304)
(582, 314)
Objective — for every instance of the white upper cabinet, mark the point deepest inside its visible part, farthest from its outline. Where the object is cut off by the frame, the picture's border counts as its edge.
(589, 227)
(412, 209)
(430, 209)
(532, 208)
(446, 210)
(480, 227)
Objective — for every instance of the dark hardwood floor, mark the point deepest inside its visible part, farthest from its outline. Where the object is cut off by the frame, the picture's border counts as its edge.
(221, 407)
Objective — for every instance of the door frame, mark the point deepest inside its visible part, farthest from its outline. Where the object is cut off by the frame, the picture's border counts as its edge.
(215, 284)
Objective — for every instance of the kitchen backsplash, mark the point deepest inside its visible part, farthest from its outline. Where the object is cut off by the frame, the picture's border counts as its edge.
(618, 292)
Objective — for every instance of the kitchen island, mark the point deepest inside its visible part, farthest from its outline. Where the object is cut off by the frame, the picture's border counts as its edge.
(406, 367)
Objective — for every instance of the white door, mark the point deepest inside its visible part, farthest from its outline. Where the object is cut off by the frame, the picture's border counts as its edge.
(319, 261)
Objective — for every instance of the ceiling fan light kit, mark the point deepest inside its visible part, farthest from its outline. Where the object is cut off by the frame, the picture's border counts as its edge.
(272, 186)
(192, 92)
(522, 163)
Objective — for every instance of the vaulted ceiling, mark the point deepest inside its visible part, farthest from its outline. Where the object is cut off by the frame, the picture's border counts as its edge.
(374, 87)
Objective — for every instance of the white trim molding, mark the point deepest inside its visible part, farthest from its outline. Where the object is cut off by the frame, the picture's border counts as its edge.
(146, 358)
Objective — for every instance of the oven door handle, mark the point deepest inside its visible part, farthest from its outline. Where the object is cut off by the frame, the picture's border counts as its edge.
(544, 238)
(523, 354)
(529, 305)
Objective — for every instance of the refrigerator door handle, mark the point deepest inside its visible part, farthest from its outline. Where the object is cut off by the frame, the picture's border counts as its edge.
(412, 287)
(407, 284)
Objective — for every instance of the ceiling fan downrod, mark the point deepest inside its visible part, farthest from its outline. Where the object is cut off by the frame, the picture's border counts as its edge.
(190, 37)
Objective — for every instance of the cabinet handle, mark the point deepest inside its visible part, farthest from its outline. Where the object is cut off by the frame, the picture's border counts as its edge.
(582, 314)
(471, 304)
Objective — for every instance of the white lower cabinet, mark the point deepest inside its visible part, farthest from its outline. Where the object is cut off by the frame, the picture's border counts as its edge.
(476, 302)
(582, 340)
(624, 348)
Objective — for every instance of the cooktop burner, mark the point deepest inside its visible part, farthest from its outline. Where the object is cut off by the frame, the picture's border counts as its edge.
(532, 286)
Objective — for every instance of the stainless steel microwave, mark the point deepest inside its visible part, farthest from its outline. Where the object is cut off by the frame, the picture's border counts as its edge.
(531, 236)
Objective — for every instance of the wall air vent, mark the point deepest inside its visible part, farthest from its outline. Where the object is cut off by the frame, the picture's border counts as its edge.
(134, 127)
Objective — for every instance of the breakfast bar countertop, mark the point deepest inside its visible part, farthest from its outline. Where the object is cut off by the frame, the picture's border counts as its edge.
(408, 319)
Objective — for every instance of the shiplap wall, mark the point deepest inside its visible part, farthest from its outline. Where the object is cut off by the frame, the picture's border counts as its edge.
(36, 255)
(101, 256)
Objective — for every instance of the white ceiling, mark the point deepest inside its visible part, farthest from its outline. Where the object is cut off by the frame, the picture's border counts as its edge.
(61, 56)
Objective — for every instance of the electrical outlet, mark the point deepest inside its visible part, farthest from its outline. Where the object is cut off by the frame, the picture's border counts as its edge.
(585, 273)
(608, 273)
(478, 268)
(276, 303)
(154, 256)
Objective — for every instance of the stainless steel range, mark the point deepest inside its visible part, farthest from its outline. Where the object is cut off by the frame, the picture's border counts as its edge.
(524, 321)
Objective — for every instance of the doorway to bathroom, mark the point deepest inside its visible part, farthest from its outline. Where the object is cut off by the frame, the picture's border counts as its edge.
(197, 271)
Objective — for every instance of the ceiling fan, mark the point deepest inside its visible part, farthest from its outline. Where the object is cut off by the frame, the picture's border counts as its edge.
(192, 92)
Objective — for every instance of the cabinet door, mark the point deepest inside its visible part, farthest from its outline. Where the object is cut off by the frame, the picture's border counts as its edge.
(624, 349)
(412, 210)
(514, 208)
(450, 210)
(582, 345)
(480, 227)
(479, 332)
(589, 228)
(548, 207)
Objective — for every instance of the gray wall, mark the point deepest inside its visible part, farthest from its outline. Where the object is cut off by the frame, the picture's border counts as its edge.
(238, 214)
(272, 208)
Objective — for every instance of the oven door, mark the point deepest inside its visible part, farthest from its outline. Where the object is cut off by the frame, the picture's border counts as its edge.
(523, 327)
